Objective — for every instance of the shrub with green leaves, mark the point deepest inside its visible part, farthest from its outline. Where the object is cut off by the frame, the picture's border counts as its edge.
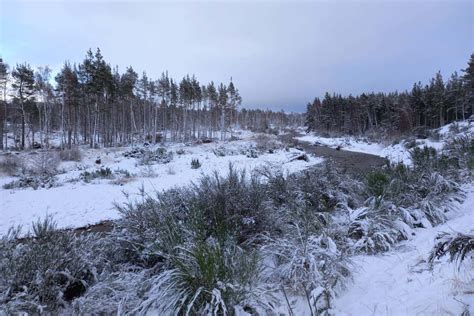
(45, 181)
(195, 163)
(207, 278)
(377, 183)
(461, 150)
(102, 173)
(160, 155)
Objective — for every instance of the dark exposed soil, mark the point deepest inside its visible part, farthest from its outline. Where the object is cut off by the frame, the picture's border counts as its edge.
(348, 161)
(101, 228)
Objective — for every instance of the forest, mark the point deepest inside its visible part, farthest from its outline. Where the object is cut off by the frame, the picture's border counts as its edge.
(92, 102)
(424, 107)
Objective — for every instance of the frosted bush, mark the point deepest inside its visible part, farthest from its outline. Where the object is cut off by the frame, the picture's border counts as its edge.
(44, 272)
(73, 154)
(310, 265)
(459, 247)
(45, 162)
(11, 165)
(206, 279)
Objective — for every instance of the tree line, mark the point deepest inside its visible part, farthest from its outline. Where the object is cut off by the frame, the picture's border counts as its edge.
(93, 103)
(426, 106)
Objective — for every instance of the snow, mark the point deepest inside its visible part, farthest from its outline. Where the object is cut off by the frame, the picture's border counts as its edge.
(400, 283)
(396, 283)
(346, 143)
(395, 153)
(77, 204)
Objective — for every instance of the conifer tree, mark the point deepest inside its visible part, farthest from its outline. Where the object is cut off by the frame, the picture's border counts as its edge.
(24, 89)
(3, 107)
(68, 90)
(468, 80)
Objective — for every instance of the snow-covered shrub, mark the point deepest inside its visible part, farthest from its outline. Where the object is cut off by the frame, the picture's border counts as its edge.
(267, 143)
(312, 196)
(73, 154)
(11, 165)
(219, 206)
(193, 248)
(224, 150)
(310, 265)
(180, 152)
(195, 163)
(410, 144)
(461, 149)
(45, 162)
(377, 183)
(400, 198)
(252, 153)
(423, 192)
(457, 245)
(428, 159)
(234, 204)
(206, 278)
(220, 151)
(122, 176)
(42, 273)
(102, 173)
(147, 156)
(115, 294)
(377, 226)
(45, 181)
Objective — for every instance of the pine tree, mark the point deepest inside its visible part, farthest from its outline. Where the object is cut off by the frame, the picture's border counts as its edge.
(213, 107)
(234, 100)
(3, 109)
(222, 104)
(468, 80)
(454, 98)
(68, 89)
(45, 93)
(439, 98)
(24, 89)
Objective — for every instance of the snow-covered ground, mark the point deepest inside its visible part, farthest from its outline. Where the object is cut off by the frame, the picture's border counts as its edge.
(396, 153)
(76, 204)
(400, 283)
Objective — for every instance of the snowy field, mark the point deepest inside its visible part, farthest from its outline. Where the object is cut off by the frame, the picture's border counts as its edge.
(76, 204)
(400, 283)
(399, 152)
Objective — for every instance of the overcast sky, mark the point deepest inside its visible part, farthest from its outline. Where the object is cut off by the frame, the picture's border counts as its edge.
(279, 54)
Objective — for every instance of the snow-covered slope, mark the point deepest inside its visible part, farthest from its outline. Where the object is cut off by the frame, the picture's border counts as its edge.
(401, 283)
(396, 153)
(76, 204)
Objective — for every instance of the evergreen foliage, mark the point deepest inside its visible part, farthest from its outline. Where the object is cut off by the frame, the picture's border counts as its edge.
(195, 164)
(458, 246)
(425, 106)
(93, 103)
